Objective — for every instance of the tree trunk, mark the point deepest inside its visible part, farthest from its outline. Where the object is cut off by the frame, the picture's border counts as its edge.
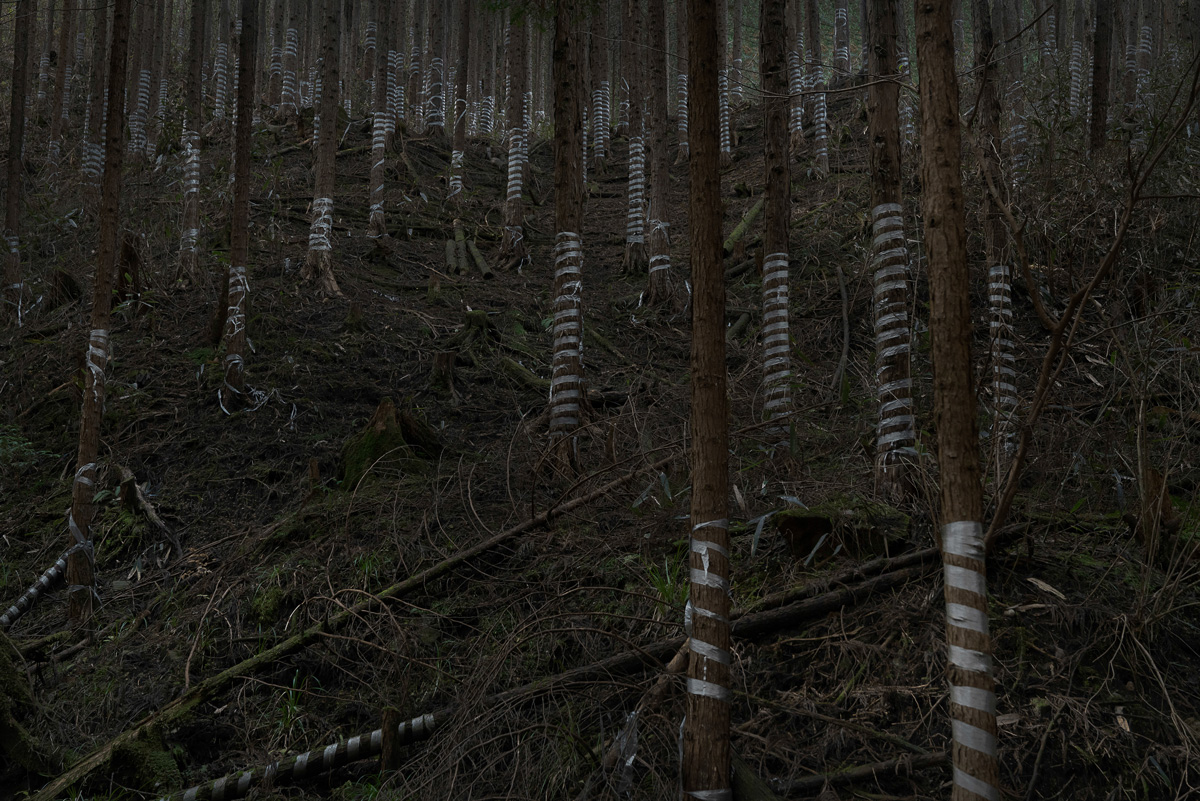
(705, 749)
(232, 395)
(659, 288)
(816, 81)
(796, 81)
(435, 119)
(60, 105)
(14, 286)
(43, 82)
(92, 147)
(460, 99)
(635, 259)
(1101, 71)
(895, 437)
(383, 122)
(972, 697)
(318, 266)
(776, 330)
(724, 117)
(841, 44)
(1075, 67)
(735, 64)
(81, 561)
(566, 383)
(513, 250)
(681, 93)
(598, 56)
(189, 257)
(221, 67)
(417, 117)
(289, 97)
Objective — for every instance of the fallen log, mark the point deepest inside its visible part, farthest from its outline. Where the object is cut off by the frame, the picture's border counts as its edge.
(742, 228)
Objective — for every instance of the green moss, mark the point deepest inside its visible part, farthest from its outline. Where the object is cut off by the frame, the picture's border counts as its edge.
(379, 446)
(146, 764)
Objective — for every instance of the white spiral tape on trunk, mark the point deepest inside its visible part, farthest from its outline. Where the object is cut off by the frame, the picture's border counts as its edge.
(795, 87)
(319, 237)
(566, 383)
(723, 111)
(636, 215)
(895, 430)
(776, 336)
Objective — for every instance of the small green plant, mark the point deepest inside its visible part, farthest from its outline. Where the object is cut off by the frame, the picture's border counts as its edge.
(670, 584)
(16, 452)
(291, 716)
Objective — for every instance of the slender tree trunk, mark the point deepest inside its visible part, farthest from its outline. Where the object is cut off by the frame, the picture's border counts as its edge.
(816, 77)
(59, 106)
(221, 67)
(14, 285)
(514, 251)
(382, 13)
(93, 145)
(192, 120)
(43, 73)
(397, 74)
(289, 96)
(417, 117)
(895, 437)
(635, 260)
(435, 121)
(1076, 65)
(796, 80)
(598, 55)
(232, 395)
(776, 330)
(706, 757)
(735, 65)
(659, 288)
(566, 384)
(275, 82)
(1101, 71)
(81, 560)
(972, 696)
(724, 115)
(460, 99)
(318, 266)
(681, 93)
(841, 43)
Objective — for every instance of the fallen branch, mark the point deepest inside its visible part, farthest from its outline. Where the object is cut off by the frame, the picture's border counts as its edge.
(211, 686)
(650, 656)
(892, 767)
(742, 227)
(480, 263)
(31, 595)
(129, 482)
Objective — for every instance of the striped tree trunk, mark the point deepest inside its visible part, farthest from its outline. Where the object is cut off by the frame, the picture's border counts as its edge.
(659, 286)
(382, 19)
(318, 265)
(972, 695)
(635, 260)
(514, 252)
(188, 252)
(776, 329)
(681, 93)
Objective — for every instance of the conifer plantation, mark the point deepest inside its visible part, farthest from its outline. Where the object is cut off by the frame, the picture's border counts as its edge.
(600, 399)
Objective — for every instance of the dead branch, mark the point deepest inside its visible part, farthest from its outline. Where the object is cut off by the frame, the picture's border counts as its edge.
(897, 766)
(138, 497)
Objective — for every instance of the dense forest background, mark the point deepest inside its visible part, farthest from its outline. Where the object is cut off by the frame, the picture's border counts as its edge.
(346, 386)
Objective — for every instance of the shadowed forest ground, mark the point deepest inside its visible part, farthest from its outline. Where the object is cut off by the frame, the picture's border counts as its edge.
(1096, 661)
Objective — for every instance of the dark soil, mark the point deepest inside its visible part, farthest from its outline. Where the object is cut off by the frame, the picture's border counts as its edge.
(1096, 661)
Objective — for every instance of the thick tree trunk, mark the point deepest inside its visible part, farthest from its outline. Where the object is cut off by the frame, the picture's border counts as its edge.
(972, 696)
(566, 383)
(14, 285)
(705, 771)
(232, 395)
(895, 437)
(659, 288)
(776, 330)
(1101, 72)
(81, 562)
(514, 252)
(318, 265)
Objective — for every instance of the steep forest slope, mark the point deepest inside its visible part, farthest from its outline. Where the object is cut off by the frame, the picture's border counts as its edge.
(385, 526)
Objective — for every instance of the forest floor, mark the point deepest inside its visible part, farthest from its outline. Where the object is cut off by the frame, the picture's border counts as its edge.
(1096, 654)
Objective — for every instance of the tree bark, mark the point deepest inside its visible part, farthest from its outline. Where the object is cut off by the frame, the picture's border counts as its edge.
(81, 561)
(14, 286)
(681, 92)
(460, 100)
(318, 266)
(895, 438)
(633, 54)
(598, 56)
(972, 696)
(192, 120)
(659, 287)
(92, 161)
(383, 118)
(513, 250)
(1101, 72)
(706, 755)
(232, 395)
(776, 330)
(566, 383)
(435, 122)
(59, 105)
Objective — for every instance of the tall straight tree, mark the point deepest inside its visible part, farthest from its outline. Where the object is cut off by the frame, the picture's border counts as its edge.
(81, 578)
(383, 118)
(188, 253)
(459, 146)
(1101, 73)
(705, 771)
(681, 102)
(566, 382)
(633, 55)
(895, 437)
(238, 285)
(513, 249)
(598, 56)
(972, 693)
(776, 330)
(318, 265)
(435, 120)
(92, 161)
(658, 290)
(14, 286)
(59, 105)
(289, 93)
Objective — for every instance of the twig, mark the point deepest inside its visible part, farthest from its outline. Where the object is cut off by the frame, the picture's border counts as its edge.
(849, 776)
(127, 479)
(835, 387)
